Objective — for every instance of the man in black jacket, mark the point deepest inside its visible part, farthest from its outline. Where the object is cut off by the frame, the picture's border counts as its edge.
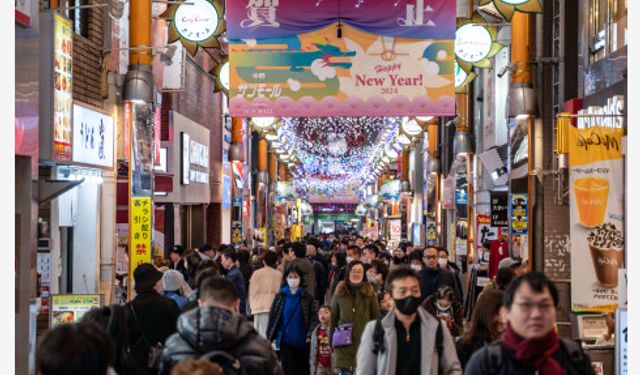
(215, 330)
(151, 317)
(530, 344)
(432, 276)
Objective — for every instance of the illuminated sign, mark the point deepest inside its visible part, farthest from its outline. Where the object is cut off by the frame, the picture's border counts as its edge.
(196, 23)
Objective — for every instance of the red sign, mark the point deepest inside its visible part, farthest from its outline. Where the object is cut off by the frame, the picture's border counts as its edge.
(449, 193)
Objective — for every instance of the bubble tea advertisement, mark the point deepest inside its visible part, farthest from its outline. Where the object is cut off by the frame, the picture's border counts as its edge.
(596, 191)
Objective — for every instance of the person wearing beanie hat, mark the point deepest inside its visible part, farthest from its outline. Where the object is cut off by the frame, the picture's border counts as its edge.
(173, 284)
(151, 317)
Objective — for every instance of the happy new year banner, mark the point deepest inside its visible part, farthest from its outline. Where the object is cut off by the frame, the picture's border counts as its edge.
(317, 74)
(422, 19)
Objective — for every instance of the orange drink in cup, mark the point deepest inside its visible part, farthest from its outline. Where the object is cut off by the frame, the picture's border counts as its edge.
(592, 194)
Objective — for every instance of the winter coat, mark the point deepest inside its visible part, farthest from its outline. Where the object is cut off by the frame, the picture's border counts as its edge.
(313, 357)
(236, 277)
(247, 271)
(321, 279)
(306, 266)
(263, 287)
(466, 349)
(309, 308)
(155, 317)
(456, 309)
(479, 363)
(344, 310)
(384, 363)
(431, 280)
(180, 300)
(203, 330)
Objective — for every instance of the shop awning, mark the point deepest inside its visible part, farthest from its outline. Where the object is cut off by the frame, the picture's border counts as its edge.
(47, 190)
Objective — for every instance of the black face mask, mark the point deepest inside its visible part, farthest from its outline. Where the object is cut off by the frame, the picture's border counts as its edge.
(407, 305)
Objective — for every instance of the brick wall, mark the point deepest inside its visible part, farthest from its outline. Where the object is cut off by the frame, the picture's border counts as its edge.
(86, 60)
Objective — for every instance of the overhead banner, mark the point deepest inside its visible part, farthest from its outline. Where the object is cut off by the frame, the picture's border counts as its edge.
(424, 19)
(389, 191)
(288, 58)
(596, 191)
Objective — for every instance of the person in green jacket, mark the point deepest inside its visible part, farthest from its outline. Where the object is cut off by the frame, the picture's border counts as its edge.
(354, 302)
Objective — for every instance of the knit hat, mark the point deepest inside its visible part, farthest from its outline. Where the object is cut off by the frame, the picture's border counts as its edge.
(146, 276)
(172, 280)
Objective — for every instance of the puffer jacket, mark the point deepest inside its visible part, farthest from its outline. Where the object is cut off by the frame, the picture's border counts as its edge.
(263, 287)
(357, 309)
(208, 329)
(309, 313)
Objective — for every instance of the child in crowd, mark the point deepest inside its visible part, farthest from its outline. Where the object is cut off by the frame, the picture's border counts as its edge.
(320, 358)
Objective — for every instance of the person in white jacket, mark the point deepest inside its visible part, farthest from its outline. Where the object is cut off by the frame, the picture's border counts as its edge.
(263, 286)
(408, 340)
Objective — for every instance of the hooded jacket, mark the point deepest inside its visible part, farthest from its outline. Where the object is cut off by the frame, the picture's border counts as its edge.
(203, 330)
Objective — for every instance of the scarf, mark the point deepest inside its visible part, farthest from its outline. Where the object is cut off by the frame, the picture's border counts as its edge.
(536, 353)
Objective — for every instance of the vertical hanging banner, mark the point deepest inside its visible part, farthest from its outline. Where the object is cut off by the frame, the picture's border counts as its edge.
(596, 191)
(140, 251)
(62, 95)
(519, 213)
(383, 58)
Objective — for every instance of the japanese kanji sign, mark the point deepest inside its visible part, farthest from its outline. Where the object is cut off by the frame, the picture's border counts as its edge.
(141, 225)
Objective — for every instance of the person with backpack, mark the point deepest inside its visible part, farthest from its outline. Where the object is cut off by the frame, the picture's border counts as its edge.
(408, 340)
(530, 344)
(216, 332)
(293, 315)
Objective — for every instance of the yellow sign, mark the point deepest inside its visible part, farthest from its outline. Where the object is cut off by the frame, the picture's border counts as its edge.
(69, 308)
(140, 240)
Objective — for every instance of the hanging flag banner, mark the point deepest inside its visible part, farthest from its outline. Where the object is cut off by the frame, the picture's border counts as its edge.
(140, 250)
(596, 193)
(318, 74)
(424, 19)
(519, 213)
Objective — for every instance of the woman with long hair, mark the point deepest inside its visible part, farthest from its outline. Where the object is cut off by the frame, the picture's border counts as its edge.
(293, 315)
(486, 325)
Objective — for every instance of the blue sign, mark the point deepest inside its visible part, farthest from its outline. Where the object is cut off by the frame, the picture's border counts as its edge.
(226, 192)
(461, 196)
(237, 201)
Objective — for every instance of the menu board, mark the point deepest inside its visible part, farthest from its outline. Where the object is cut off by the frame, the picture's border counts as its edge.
(70, 308)
(62, 86)
(499, 209)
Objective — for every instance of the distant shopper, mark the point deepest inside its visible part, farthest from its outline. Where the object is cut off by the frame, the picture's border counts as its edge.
(293, 314)
(76, 349)
(444, 306)
(263, 287)
(229, 258)
(297, 255)
(173, 285)
(217, 332)
(244, 265)
(151, 318)
(408, 340)
(320, 358)
(354, 304)
(530, 344)
(486, 325)
(434, 277)
(177, 260)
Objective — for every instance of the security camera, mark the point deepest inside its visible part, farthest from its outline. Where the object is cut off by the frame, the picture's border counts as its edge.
(503, 71)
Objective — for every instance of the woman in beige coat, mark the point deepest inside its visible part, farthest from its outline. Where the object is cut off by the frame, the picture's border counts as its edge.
(263, 287)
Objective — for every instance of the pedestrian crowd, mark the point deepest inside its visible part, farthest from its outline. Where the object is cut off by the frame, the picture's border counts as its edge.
(324, 305)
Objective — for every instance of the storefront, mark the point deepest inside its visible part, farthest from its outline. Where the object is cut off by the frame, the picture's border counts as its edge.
(180, 214)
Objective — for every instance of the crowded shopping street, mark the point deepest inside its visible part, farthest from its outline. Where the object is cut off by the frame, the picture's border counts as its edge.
(320, 187)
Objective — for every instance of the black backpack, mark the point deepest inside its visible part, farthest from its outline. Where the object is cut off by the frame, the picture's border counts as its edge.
(494, 352)
(229, 364)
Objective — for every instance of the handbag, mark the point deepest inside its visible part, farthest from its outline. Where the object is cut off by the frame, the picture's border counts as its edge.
(155, 351)
(342, 335)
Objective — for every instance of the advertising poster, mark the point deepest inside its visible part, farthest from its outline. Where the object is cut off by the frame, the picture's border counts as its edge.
(62, 81)
(285, 191)
(390, 191)
(140, 232)
(448, 193)
(596, 199)
(388, 59)
(519, 213)
(226, 192)
(93, 137)
(69, 308)
(395, 230)
(431, 232)
(485, 231)
(499, 209)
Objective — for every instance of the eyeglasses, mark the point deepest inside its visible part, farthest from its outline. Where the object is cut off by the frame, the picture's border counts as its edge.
(527, 307)
(430, 256)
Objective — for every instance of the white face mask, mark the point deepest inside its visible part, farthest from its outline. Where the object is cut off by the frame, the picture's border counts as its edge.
(416, 267)
(442, 262)
(349, 259)
(293, 283)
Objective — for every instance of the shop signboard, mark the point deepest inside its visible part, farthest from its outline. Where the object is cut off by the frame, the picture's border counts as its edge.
(448, 193)
(596, 200)
(395, 230)
(62, 81)
(70, 308)
(385, 60)
(194, 161)
(196, 23)
(93, 137)
(140, 249)
(485, 231)
(236, 233)
(226, 192)
(519, 213)
(23, 12)
(431, 232)
(499, 209)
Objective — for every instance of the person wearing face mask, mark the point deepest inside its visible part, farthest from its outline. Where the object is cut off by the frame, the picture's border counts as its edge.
(445, 264)
(408, 340)
(433, 277)
(354, 304)
(415, 261)
(443, 305)
(293, 316)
